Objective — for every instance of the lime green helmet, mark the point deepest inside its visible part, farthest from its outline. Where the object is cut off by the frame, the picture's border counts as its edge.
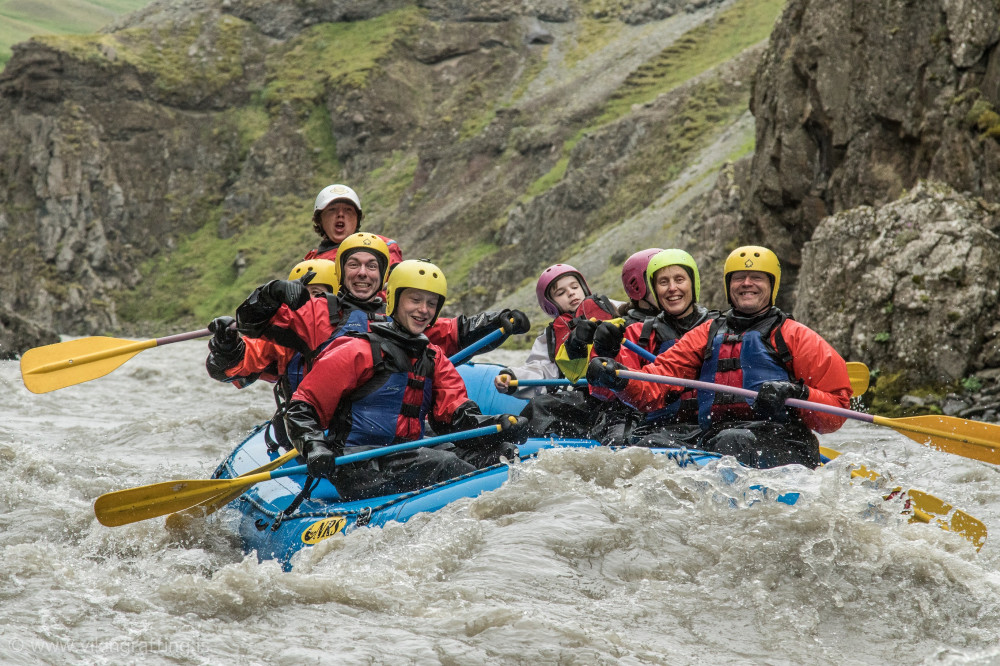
(674, 257)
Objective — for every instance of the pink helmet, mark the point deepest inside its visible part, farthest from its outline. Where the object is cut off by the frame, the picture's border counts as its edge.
(634, 273)
(550, 275)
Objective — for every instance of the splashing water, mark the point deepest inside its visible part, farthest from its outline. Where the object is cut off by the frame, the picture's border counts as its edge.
(585, 556)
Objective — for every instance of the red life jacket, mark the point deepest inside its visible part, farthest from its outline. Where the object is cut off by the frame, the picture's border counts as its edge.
(592, 307)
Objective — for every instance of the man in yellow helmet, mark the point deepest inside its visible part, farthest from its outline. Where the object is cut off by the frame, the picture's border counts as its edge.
(294, 327)
(375, 389)
(756, 346)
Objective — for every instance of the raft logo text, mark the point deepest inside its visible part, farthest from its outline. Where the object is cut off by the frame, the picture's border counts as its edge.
(121, 646)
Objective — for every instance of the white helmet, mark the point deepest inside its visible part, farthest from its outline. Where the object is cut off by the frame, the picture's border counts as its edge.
(332, 193)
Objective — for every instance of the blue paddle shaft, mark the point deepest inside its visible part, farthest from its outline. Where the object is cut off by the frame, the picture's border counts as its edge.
(550, 382)
(395, 448)
(646, 356)
(464, 355)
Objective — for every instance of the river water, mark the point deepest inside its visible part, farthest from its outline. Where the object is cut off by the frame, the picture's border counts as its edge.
(585, 557)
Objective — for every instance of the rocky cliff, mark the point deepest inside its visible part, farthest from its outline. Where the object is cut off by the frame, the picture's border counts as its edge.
(153, 174)
(875, 178)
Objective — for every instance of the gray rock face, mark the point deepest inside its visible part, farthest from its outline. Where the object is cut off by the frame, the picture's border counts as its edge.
(856, 104)
(912, 285)
(857, 101)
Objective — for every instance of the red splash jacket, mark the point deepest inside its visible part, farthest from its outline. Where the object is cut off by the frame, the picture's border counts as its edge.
(813, 361)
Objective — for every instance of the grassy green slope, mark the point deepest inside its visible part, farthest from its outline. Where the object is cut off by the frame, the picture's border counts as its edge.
(277, 245)
(197, 280)
(21, 19)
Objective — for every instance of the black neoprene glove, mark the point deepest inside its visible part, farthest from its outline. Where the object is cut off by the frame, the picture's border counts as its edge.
(601, 372)
(292, 293)
(225, 337)
(608, 339)
(514, 322)
(581, 336)
(476, 327)
(255, 313)
(305, 432)
(320, 461)
(513, 429)
(225, 348)
(770, 402)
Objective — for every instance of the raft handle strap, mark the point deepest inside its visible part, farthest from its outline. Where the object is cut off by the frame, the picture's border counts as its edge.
(303, 495)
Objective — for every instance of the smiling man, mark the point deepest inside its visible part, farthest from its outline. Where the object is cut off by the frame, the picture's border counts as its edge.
(756, 346)
(375, 389)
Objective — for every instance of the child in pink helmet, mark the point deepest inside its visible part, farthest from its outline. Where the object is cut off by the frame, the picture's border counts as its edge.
(562, 293)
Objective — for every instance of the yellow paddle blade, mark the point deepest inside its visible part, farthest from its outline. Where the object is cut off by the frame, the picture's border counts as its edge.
(573, 368)
(927, 508)
(182, 519)
(859, 376)
(134, 504)
(52, 367)
(924, 507)
(970, 439)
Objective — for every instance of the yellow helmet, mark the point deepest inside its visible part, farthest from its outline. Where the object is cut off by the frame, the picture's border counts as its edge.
(325, 270)
(365, 242)
(415, 274)
(754, 258)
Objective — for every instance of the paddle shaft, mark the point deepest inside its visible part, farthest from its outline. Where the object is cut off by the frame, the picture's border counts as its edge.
(465, 354)
(134, 504)
(856, 372)
(803, 404)
(383, 451)
(547, 382)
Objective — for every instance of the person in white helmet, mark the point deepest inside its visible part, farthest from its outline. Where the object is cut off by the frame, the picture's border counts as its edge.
(337, 214)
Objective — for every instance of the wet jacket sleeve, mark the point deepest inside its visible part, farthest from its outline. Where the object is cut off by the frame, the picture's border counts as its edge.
(262, 360)
(822, 369)
(304, 329)
(444, 334)
(304, 430)
(682, 360)
(447, 391)
(344, 366)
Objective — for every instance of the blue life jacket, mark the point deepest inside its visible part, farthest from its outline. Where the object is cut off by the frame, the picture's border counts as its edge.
(370, 414)
(345, 317)
(745, 359)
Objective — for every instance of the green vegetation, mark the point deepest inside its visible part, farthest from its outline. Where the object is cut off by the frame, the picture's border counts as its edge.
(342, 54)
(22, 19)
(201, 274)
(668, 148)
(387, 184)
(984, 117)
(971, 384)
(185, 58)
(711, 105)
(595, 33)
(709, 45)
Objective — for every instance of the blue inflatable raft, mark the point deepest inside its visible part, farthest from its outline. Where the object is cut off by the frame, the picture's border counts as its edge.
(268, 528)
